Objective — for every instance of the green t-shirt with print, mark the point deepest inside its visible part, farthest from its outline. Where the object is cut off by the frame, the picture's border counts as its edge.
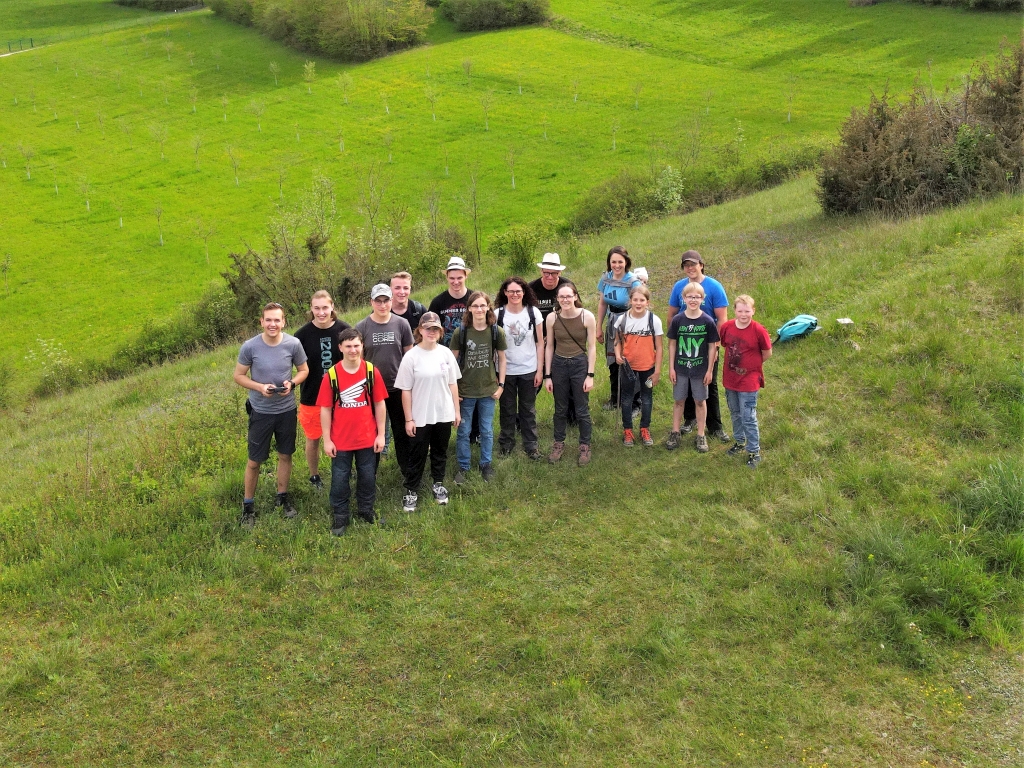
(479, 376)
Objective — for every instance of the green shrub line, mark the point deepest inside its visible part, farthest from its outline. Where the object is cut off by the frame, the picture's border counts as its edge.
(166, 6)
(473, 15)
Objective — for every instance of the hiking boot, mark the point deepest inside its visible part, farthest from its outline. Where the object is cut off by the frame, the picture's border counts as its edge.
(487, 471)
(409, 501)
(557, 449)
(627, 438)
(460, 476)
(248, 519)
(287, 508)
(505, 450)
(673, 441)
(721, 434)
(339, 523)
(688, 426)
(339, 530)
(737, 449)
(753, 459)
(609, 405)
(584, 458)
(317, 482)
(371, 518)
(534, 454)
(702, 444)
(440, 494)
(645, 437)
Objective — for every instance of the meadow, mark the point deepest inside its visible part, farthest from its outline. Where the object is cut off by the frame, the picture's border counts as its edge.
(134, 159)
(658, 608)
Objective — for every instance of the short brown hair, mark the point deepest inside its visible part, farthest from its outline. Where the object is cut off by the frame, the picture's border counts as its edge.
(400, 276)
(272, 305)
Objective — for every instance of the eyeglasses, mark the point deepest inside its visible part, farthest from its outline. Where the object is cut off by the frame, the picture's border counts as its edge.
(694, 297)
(479, 307)
(567, 298)
(513, 293)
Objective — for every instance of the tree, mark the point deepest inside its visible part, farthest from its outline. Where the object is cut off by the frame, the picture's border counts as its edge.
(224, 104)
(159, 134)
(615, 130)
(544, 122)
(432, 94)
(28, 153)
(275, 70)
(575, 89)
(197, 144)
(191, 58)
(296, 132)
(637, 87)
(56, 189)
(142, 82)
(345, 84)
(159, 212)
(384, 98)
(708, 96)
(510, 158)
(5, 266)
(99, 117)
(444, 149)
(83, 185)
(467, 66)
(168, 46)
(3, 156)
(341, 140)
(472, 203)
(204, 231)
(388, 138)
(193, 96)
(32, 98)
(371, 198)
(309, 74)
(119, 207)
(485, 102)
(257, 108)
(126, 129)
(233, 157)
(519, 80)
(791, 93)
(118, 74)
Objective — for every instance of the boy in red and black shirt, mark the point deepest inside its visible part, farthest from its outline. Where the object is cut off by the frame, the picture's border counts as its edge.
(745, 347)
(352, 417)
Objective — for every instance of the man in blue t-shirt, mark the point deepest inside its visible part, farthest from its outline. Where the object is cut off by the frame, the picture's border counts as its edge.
(715, 304)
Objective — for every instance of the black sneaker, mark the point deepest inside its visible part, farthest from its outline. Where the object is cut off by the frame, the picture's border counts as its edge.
(505, 450)
(721, 434)
(287, 508)
(316, 482)
(753, 459)
(688, 426)
(372, 519)
(248, 519)
(487, 471)
(737, 449)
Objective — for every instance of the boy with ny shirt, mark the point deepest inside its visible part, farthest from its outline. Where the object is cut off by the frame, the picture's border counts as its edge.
(386, 338)
(693, 349)
(319, 339)
(352, 418)
(745, 346)
(264, 367)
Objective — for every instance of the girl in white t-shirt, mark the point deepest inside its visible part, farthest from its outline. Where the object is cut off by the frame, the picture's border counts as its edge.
(524, 365)
(428, 378)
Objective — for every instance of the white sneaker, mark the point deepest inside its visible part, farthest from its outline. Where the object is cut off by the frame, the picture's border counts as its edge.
(440, 494)
(409, 502)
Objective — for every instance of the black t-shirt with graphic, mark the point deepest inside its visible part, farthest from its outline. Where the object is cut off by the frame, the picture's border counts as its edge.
(451, 312)
(321, 347)
(692, 337)
(547, 298)
(413, 312)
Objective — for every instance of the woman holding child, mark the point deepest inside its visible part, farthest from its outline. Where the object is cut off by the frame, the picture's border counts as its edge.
(570, 354)
(614, 288)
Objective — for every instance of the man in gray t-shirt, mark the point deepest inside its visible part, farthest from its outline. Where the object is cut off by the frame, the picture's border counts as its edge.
(386, 339)
(264, 367)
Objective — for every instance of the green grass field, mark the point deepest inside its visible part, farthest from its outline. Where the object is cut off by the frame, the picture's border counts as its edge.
(86, 118)
(655, 609)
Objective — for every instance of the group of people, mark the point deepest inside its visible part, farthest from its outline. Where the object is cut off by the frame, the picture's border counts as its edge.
(407, 375)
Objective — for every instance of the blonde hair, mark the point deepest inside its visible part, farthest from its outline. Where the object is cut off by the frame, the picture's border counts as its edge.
(744, 299)
(322, 295)
(694, 288)
(641, 289)
(401, 276)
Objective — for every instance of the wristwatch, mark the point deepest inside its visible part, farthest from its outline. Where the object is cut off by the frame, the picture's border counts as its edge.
(590, 375)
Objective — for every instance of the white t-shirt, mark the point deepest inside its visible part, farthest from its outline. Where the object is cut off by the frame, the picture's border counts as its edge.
(521, 353)
(639, 327)
(428, 374)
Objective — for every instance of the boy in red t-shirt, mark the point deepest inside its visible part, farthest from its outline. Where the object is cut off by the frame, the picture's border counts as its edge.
(745, 347)
(353, 428)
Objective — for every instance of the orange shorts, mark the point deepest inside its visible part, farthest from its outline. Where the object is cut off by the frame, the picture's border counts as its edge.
(309, 418)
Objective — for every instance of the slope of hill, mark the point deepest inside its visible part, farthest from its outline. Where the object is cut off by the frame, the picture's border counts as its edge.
(184, 116)
(836, 607)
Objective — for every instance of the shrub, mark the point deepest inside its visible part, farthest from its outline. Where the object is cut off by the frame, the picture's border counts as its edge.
(353, 30)
(910, 156)
(629, 196)
(161, 5)
(518, 245)
(494, 14)
(978, 5)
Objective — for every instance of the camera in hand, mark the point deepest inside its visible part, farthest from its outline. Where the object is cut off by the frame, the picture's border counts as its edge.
(278, 390)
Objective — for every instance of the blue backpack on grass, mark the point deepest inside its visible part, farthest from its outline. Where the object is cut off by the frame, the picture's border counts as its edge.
(797, 328)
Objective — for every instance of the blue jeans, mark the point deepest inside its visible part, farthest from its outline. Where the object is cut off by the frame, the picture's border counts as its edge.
(743, 410)
(366, 483)
(484, 408)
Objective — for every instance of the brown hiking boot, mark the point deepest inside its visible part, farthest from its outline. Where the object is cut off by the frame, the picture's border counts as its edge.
(557, 449)
(584, 458)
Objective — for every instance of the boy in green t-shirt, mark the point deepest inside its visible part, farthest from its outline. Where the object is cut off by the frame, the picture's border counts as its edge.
(479, 346)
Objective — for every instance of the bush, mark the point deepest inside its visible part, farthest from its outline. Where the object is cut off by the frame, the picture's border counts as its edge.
(629, 196)
(519, 246)
(925, 152)
(352, 30)
(494, 14)
(161, 5)
(978, 5)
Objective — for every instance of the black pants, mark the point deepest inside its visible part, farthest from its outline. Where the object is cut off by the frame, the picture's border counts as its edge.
(714, 422)
(396, 414)
(432, 439)
(567, 376)
(518, 406)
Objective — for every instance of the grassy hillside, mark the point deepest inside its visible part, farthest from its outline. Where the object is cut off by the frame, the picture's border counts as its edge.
(657, 608)
(105, 126)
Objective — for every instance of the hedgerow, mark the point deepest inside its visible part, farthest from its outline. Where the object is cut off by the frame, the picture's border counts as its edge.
(493, 14)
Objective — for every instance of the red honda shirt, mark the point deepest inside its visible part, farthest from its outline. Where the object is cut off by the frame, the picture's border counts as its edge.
(353, 425)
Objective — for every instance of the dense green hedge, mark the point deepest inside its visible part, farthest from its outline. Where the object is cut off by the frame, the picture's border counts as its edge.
(494, 14)
(161, 5)
(352, 30)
